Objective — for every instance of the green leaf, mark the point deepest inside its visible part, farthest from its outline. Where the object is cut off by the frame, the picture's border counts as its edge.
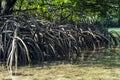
(65, 1)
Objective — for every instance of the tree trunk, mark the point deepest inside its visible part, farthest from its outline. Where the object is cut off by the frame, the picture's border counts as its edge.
(0, 5)
(8, 8)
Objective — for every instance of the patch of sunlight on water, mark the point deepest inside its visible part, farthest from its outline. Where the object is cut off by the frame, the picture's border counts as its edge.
(114, 29)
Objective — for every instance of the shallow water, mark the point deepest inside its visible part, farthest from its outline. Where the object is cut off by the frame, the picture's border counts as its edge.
(105, 67)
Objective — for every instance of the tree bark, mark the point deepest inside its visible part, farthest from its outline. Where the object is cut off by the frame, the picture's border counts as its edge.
(0, 5)
(8, 8)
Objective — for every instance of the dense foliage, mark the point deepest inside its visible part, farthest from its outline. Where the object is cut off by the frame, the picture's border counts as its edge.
(72, 11)
(51, 30)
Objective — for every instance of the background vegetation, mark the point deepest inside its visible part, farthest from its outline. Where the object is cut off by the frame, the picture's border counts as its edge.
(73, 11)
(106, 12)
(35, 31)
